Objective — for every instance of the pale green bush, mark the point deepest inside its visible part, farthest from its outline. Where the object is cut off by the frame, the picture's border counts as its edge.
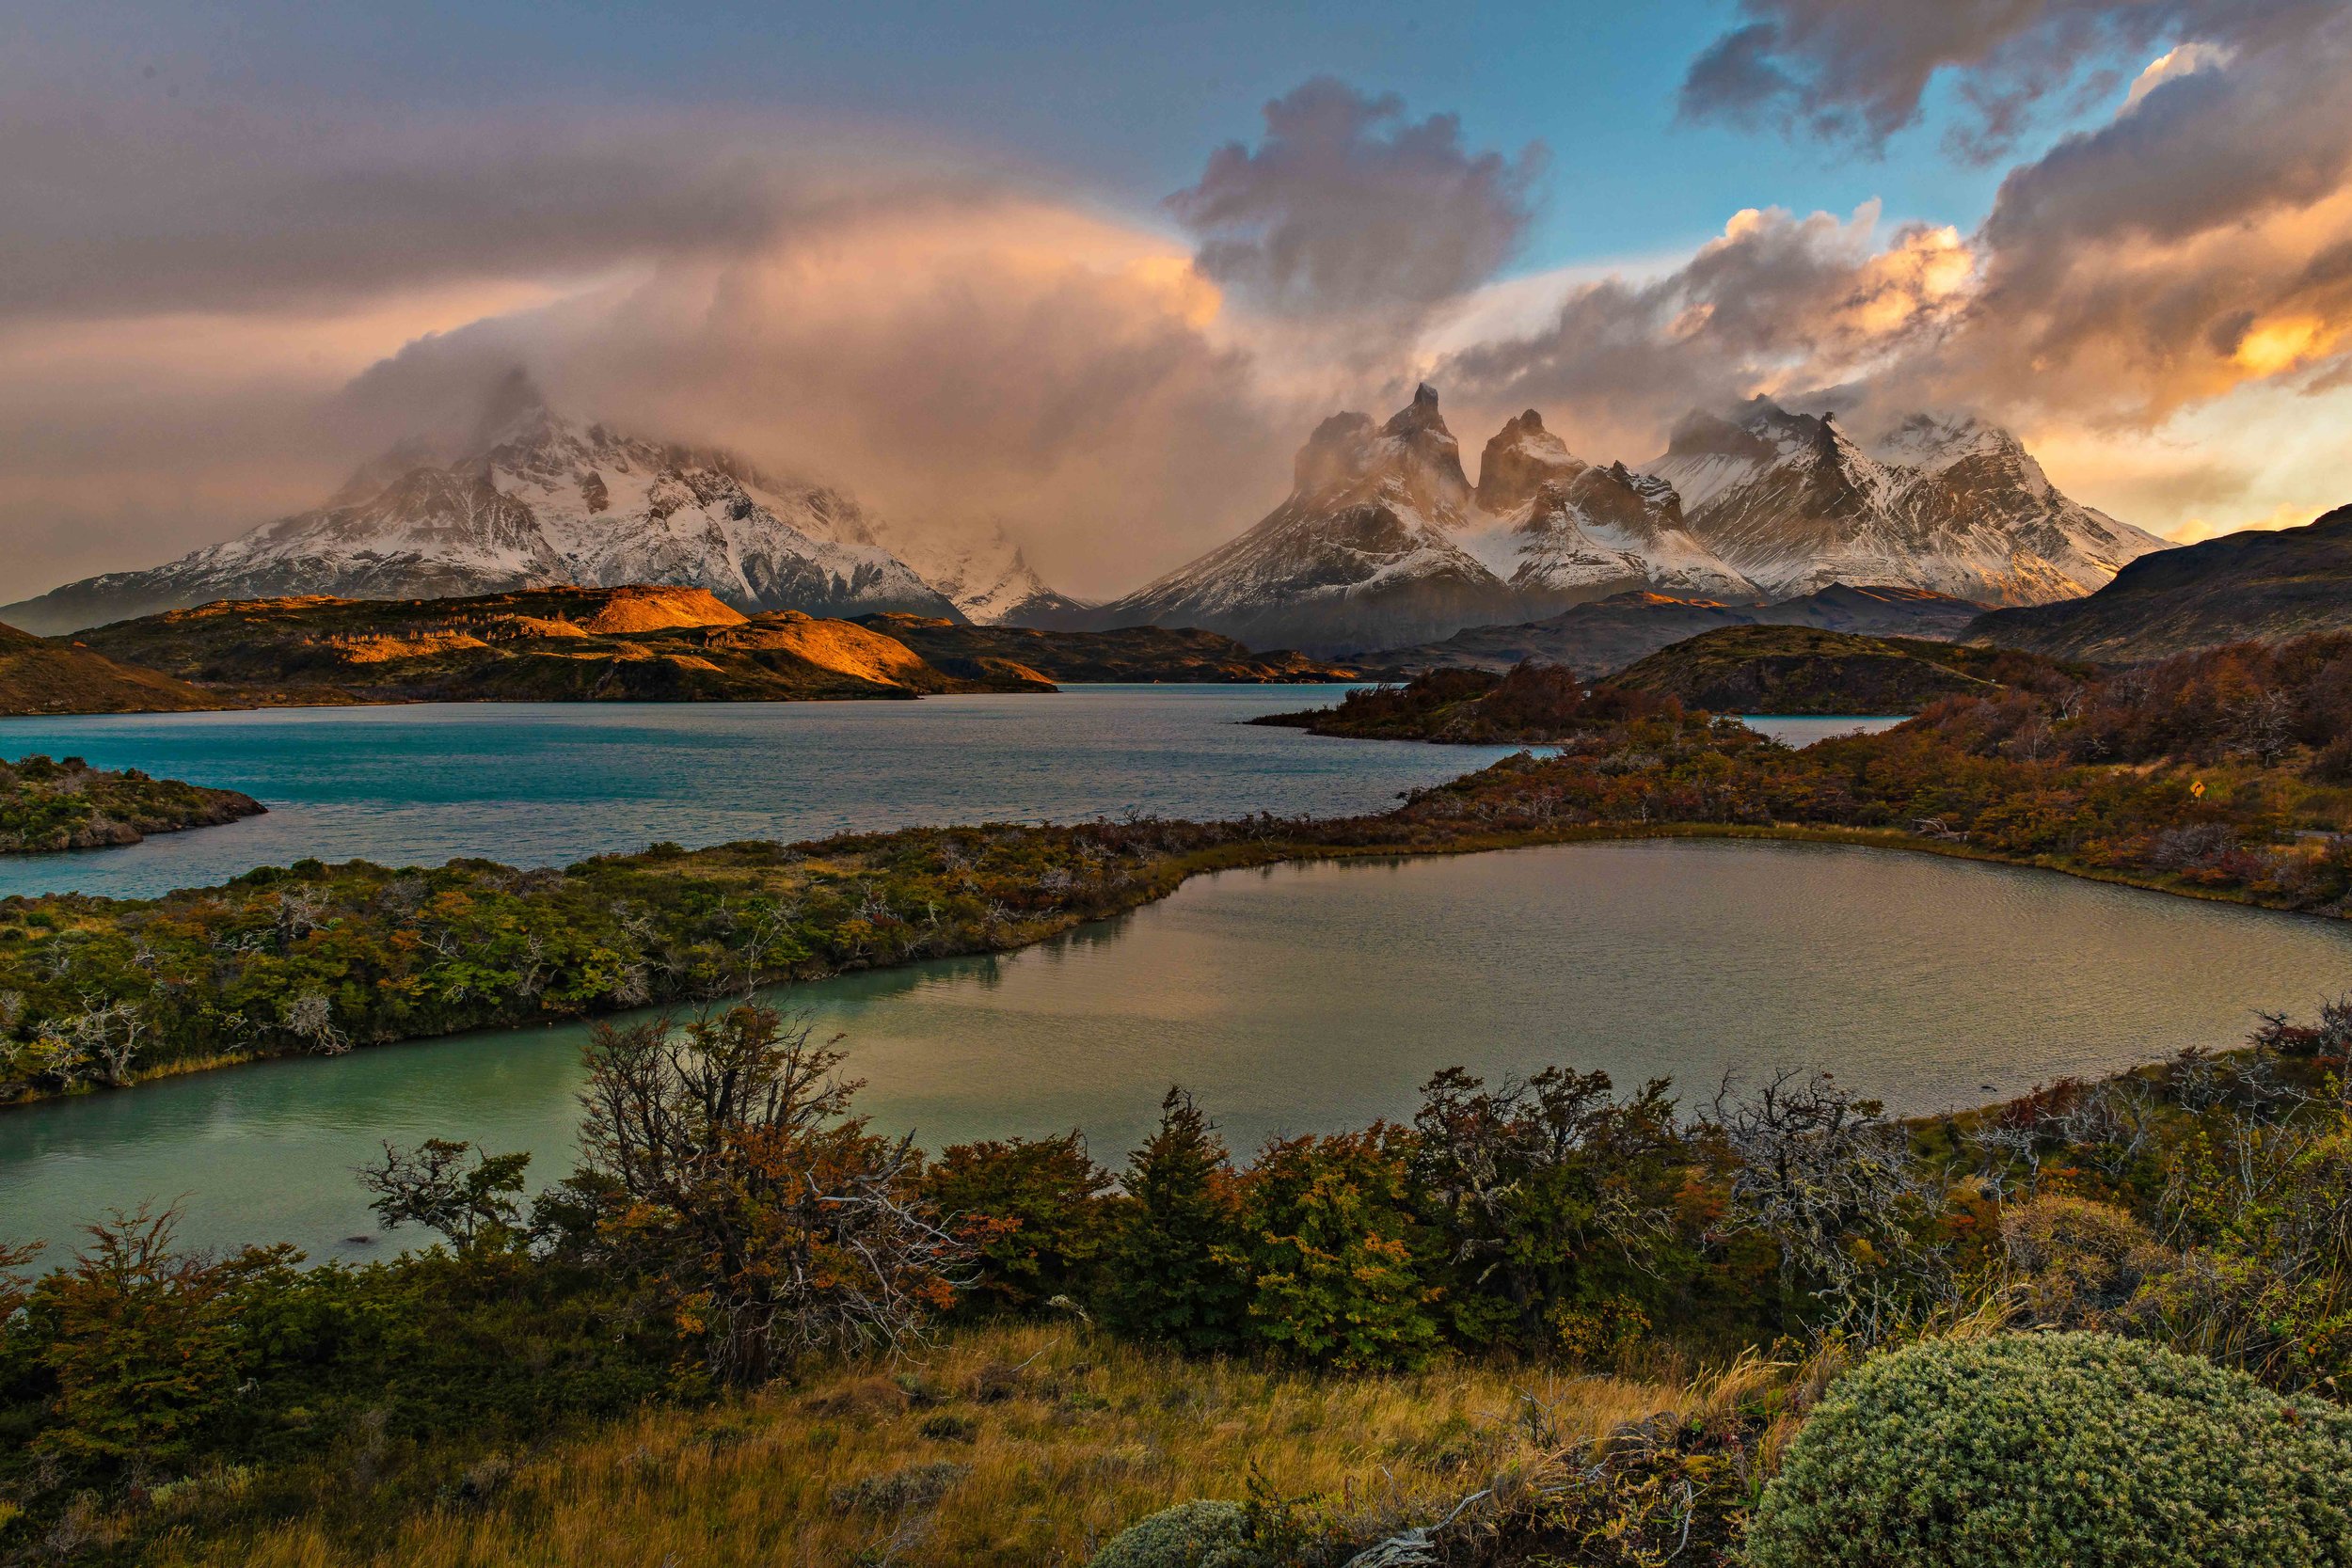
(2079, 1449)
(1198, 1534)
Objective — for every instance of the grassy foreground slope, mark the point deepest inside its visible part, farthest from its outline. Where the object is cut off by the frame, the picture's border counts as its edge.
(1009, 1447)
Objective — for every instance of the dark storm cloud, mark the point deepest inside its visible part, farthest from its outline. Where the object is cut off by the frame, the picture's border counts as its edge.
(127, 208)
(1858, 71)
(1346, 205)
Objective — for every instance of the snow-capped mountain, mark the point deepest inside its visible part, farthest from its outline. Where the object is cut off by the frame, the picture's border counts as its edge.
(984, 574)
(1957, 506)
(1382, 531)
(1518, 460)
(535, 499)
(1586, 532)
(1360, 555)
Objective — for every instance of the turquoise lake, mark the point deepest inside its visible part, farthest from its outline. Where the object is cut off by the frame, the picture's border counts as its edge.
(1299, 998)
(548, 783)
(1305, 998)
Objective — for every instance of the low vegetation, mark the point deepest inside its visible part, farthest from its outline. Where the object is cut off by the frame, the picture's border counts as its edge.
(40, 675)
(2220, 775)
(636, 643)
(1552, 1321)
(1799, 669)
(2067, 1448)
(1174, 654)
(1536, 703)
(65, 803)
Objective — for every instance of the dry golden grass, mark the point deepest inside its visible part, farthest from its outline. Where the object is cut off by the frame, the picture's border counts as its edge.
(841, 647)
(650, 607)
(1027, 1445)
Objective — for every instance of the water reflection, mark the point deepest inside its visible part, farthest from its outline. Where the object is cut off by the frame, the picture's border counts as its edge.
(1308, 997)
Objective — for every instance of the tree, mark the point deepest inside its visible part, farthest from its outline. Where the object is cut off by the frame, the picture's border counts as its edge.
(1330, 1253)
(1033, 1208)
(1550, 1197)
(1831, 1181)
(772, 1221)
(144, 1342)
(1172, 1271)
(432, 1185)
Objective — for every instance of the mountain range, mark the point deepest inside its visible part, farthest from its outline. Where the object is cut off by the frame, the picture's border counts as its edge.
(535, 499)
(1384, 540)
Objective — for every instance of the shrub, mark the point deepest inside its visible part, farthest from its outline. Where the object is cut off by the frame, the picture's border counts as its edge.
(2076, 1448)
(1328, 1255)
(1198, 1534)
(1034, 1211)
(2081, 1260)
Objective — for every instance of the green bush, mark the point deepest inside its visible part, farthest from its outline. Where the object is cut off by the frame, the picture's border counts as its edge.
(2061, 1448)
(1199, 1534)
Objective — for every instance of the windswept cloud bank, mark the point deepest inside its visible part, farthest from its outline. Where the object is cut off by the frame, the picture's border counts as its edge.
(2193, 248)
(209, 316)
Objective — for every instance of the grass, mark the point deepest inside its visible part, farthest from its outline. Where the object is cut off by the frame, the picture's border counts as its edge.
(1027, 1445)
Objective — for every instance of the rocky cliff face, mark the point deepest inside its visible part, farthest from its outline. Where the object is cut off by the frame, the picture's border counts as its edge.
(1521, 458)
(535, 499)
(1384, 541)
(1362, 552)
(1954, 506)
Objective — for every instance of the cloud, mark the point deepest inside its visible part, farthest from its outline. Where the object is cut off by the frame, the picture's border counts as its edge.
(1349, 207)
(950, 346)
(1859, 71)
(2193, 248)
(2200, 242)
(1776, 303)
(954, 361)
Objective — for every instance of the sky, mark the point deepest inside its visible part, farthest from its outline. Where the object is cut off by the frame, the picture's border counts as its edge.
(1092, 272)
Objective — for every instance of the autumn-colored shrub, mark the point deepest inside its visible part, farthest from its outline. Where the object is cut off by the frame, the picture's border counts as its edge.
(1033, 1210)
(1329, 1250)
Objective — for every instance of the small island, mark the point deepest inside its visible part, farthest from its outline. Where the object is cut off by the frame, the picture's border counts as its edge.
(1749, 670)
(64, 803)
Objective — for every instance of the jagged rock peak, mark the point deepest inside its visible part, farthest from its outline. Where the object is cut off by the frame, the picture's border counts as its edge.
(1420, 414)
(1412, 461)
(1518, 460)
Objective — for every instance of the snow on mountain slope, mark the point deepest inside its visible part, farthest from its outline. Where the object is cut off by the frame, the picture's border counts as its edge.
(1602, 530)
(1955, 506)
(984, 575)
(1361, 553)
(535, 499)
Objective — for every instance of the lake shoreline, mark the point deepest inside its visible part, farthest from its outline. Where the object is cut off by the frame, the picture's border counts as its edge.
(1247, 855)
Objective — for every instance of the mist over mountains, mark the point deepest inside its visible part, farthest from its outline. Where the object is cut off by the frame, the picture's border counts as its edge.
(1383, 540)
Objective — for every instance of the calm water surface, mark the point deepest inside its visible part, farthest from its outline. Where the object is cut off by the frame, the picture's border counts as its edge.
(549, 783)
(1306, 998)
